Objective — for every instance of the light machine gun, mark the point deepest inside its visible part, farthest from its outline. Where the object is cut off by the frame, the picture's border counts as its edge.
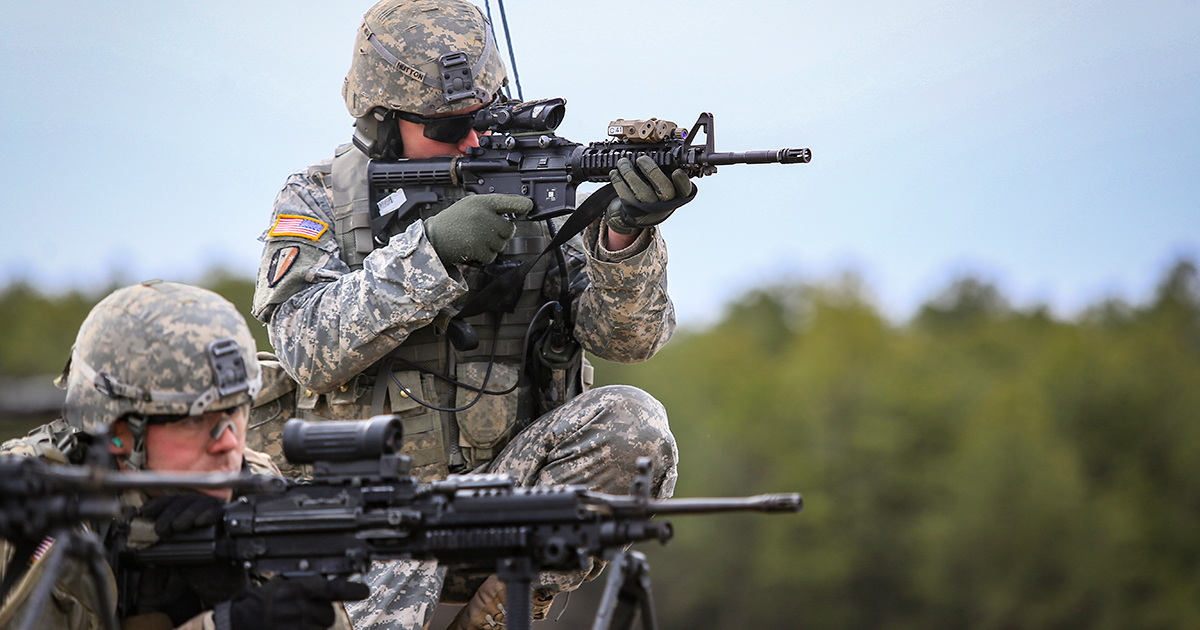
(362, 505)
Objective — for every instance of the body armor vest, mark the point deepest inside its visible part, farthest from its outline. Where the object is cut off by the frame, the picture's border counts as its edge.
(443, 441)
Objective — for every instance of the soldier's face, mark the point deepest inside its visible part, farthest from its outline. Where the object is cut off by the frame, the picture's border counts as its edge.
(418, 147)
(210, 442)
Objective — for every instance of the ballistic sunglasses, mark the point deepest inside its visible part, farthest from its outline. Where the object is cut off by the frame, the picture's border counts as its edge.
(200, 423)
(449, 129)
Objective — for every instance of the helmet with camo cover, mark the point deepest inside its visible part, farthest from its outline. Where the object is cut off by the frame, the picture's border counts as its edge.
(424, 57)
(155, 350)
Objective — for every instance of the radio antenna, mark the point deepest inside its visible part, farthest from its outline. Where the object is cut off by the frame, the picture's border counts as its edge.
(507, 38)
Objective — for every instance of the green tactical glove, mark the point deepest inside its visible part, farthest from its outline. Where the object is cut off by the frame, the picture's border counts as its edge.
(176, 514)
(474, 228)
(648, 186)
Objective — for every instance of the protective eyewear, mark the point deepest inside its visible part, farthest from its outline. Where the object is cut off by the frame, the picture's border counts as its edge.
(449, 130)
(214, 424)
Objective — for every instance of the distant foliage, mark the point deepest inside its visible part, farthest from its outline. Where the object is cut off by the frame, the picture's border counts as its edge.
(978, 467)
(38, 329)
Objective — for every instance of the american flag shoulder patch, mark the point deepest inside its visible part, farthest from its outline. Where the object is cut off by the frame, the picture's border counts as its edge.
(41, 550)
(293, 225)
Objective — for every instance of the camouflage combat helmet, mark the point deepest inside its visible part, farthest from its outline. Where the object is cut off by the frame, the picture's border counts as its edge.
(159, 349)
(424, 57)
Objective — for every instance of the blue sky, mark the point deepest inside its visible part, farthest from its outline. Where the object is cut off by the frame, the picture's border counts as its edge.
(1052, 147)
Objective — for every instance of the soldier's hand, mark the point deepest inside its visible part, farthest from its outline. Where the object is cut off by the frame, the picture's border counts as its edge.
(644, 183)
(175, 514)
(474, 228)
(304, 603)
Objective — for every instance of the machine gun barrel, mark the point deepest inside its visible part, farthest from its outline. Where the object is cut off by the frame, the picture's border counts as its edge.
(27, 476)
(622, 505)
(769, 503)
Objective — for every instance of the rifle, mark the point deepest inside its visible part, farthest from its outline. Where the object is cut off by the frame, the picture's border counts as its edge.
(361, 505)
(523, 156)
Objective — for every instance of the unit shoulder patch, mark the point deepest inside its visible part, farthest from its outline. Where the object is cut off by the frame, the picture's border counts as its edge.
(281, 261)
(295, 225)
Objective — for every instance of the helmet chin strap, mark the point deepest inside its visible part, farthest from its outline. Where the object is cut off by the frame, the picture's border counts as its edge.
(378, 135)
(136, 458)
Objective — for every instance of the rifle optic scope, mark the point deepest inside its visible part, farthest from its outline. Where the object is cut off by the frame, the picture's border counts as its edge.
(341, 440)
(541, 115)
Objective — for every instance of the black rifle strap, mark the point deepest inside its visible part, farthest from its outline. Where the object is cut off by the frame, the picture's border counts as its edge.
(381, 385)
(511, 282)
(22, 558)
(222, 618)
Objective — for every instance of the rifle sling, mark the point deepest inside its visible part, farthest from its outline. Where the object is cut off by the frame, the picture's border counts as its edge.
(381, 386)
(22, 555)
(505, 285)
(632, 212)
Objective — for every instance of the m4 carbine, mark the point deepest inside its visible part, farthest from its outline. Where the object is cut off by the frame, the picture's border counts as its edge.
(362, 505)
(522, 156)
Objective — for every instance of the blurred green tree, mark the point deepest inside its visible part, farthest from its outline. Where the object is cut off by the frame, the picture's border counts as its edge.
(978, 467)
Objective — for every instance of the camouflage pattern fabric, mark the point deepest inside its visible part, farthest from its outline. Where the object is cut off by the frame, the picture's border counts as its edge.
(414, 35)
(332, 325)
(594, 440)
(47, 442)
(328, 323)
(274, 406)
(147, 344)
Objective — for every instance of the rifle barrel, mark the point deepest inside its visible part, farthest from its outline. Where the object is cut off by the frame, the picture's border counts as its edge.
(780, 156)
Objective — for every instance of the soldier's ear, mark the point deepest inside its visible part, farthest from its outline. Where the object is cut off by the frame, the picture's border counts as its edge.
(120, 441)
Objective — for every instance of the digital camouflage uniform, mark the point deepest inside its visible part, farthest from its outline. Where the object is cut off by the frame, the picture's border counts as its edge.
(334, 326)
(73, 603)
(361, 315)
